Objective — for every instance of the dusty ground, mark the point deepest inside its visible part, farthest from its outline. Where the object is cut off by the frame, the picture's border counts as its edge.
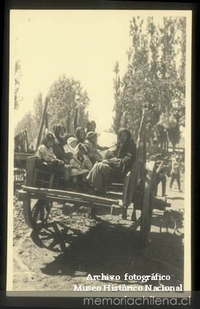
(108, 244)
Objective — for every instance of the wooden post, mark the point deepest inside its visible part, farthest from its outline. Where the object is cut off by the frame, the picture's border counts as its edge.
(43, 120)
(140, 156)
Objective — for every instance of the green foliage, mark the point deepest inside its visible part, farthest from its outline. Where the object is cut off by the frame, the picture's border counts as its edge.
(174, 135)
(118, 100)
(67, 104)
(38, 107)
(155, 75)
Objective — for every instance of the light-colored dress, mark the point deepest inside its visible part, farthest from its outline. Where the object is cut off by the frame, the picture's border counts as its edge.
(46, 154)
(79, 167)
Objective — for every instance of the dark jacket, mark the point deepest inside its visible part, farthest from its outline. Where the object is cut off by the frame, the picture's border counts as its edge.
(59, 151)
(126, 152)
(127, 149)
(58, 147)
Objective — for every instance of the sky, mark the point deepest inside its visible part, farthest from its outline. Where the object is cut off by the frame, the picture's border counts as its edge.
(80, 44)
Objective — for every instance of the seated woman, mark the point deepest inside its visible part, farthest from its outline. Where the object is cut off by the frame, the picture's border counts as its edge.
(91, 127)
(46, 154)
(58, 147)
(80, 134)
(45, 150)
(125, 151)
(91, 145)
(116, 166)
(80, 165)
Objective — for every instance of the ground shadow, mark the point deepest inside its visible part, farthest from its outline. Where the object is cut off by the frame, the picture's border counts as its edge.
(112, 248)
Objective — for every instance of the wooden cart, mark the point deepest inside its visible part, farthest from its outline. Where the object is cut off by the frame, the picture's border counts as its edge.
(40, 191)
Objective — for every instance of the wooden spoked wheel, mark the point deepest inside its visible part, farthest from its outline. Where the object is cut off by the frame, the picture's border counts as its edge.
(53, 236)
(36, 212)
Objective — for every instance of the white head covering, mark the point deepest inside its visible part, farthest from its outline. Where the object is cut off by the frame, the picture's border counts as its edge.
(72, 143)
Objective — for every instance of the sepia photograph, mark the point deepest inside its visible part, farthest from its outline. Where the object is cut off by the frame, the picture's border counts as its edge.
(99, 175)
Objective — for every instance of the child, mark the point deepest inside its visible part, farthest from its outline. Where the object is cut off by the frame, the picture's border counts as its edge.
(80, 165)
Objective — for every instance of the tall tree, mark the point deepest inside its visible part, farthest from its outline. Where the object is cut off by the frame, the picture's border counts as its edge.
(118, 101)
(17, 95)
(67, 103)
(26, 123)
(38, 107)
(153, 78)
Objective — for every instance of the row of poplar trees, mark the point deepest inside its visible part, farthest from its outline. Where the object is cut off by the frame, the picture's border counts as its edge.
(67, 104)
(155, 75)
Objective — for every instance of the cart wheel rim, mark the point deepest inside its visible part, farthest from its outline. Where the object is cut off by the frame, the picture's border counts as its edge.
(39, 213)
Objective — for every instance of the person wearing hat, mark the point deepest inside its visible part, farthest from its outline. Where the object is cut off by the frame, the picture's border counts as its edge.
(91, 145)
(91, 127)
(162, 172)
(175, 172)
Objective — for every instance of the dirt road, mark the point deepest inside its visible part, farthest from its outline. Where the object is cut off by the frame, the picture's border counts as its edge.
(107, 245)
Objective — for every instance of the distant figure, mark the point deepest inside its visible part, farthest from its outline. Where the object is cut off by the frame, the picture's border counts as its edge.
(161, 173)
(175, 173)
(154, 149)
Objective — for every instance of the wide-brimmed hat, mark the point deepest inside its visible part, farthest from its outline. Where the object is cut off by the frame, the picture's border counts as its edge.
(91, 134)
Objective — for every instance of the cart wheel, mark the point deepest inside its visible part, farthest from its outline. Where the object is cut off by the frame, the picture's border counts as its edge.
(146, 216)
(53, 237)
(36, 214)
